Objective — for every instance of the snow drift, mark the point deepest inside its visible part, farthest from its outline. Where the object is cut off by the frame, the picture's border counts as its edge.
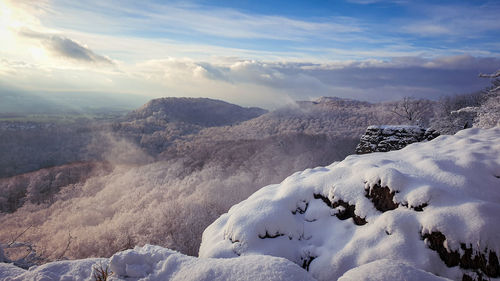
(434, 206)
(385, 269)
(156, 263)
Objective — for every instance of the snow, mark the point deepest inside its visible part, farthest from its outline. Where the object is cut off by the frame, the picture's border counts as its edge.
(154, 263)
(385, 269)
(450, 185)
(157, 263)
(54, 271)
(388, 129)
(8, 269)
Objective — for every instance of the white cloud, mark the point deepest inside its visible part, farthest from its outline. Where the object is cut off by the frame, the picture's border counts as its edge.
(61, 46)
(427, 29)
(266, 83)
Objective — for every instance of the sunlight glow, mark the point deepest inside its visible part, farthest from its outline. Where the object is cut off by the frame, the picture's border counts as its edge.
(38, 53)
(5, 19)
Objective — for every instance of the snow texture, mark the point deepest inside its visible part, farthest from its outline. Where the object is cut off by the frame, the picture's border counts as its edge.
(54, 271)
(157, 263)
(154, 263)
(382, 270)
(395, 205)
(9, 270)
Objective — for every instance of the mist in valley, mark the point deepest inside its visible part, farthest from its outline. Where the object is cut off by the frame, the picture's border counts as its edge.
(151, 187)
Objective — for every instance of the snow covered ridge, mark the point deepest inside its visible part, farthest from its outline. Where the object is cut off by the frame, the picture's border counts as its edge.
(434, 206)
(154, 263)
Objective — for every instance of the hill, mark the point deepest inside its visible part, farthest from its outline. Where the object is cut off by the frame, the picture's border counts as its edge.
(198, 111)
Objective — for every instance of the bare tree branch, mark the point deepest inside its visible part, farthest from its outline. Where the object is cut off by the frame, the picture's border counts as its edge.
(67, 246)
(493, 75)
(411, 109)
(17, 237)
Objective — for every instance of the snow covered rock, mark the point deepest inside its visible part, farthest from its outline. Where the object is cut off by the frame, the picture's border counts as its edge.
(154, 263)
(55, 271)
(157, 263)
(432, 205)
(392, 137)
(9, 270)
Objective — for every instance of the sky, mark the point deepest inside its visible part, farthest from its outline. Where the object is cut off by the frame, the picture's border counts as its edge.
(253, 53)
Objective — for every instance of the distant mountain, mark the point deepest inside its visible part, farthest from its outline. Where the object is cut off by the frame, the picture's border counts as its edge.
(160, 122)
(17, 102)
(334, 117)
(198, 111)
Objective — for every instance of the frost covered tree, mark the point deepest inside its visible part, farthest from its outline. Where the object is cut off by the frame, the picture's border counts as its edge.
(488, 114)
(455, 113)
(479, 109)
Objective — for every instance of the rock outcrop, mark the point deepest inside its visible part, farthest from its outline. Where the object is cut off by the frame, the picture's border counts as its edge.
(390, 137)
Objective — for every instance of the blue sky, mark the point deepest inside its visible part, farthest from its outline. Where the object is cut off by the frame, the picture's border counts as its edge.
(356, 29)
(250, 52)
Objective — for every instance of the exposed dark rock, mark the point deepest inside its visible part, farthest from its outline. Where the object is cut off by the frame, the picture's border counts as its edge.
(382, 198)
(387, 138)
(347, 211)
(436, 242)
(470, 259)
(301, 210)
(233, 241)
(267, 235)
(306, 262)
(420, 208)
(479, 277)
(324, 199)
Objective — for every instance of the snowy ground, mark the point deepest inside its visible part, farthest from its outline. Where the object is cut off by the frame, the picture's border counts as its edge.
(154, 263)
